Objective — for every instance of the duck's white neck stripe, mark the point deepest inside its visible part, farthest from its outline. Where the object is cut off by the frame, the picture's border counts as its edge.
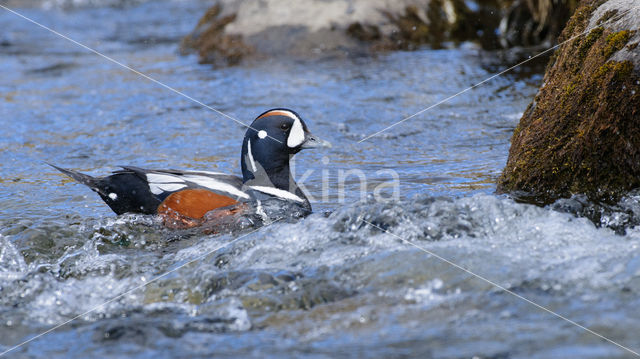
(253, 163)
(278, 193)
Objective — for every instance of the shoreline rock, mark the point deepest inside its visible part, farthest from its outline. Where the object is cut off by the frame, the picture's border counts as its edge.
(581, 133)
(231, 30)
(211, 42)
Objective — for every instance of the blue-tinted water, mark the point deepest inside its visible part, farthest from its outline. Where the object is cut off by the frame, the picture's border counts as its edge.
(326, 286)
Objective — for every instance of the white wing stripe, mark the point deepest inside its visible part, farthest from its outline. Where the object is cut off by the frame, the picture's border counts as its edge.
(159, 183)
(158, 178)
(212, 173)
(215, 185)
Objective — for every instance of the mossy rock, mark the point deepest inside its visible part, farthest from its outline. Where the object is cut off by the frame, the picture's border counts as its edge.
(581, 134)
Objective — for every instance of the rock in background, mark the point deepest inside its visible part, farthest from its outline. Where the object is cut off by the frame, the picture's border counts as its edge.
(233, 30)
(532, 22)
(581, 134)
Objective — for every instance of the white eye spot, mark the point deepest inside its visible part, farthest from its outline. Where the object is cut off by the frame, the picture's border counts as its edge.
(262, 133)
(113, 196)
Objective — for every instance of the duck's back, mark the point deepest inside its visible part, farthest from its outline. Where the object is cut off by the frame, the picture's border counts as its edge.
(187, 193)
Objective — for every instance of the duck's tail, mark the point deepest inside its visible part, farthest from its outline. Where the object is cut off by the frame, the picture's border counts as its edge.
(86, 180)
(124, 191)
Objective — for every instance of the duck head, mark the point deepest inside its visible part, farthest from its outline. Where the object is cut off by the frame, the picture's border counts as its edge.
(269, 143)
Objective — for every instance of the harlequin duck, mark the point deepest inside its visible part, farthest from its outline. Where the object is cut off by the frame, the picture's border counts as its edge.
(188, 198)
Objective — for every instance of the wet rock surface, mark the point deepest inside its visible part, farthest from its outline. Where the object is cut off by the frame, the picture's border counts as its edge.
(581, 132)
(212, 43)
(231, 31)
(529, 23)
(324, 286)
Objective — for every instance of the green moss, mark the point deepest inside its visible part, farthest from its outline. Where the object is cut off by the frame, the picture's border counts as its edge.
(565, 155)
(589, 40)
(594, 35)
(616, 41)
(577, 23)
(568, 90)
(517, 130)
(620, 69)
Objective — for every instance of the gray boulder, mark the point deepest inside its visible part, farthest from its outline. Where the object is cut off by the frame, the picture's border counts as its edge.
(233, 30)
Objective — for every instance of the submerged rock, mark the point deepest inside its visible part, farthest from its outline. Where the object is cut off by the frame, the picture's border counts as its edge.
(581, 134)
(234, 30)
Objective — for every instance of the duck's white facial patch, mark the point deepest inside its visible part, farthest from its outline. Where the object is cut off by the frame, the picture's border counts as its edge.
(296, 135)
(251, 161)
(113, 196)
(262, 134)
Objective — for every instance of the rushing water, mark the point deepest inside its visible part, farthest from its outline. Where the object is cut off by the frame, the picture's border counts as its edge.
(325, 286)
